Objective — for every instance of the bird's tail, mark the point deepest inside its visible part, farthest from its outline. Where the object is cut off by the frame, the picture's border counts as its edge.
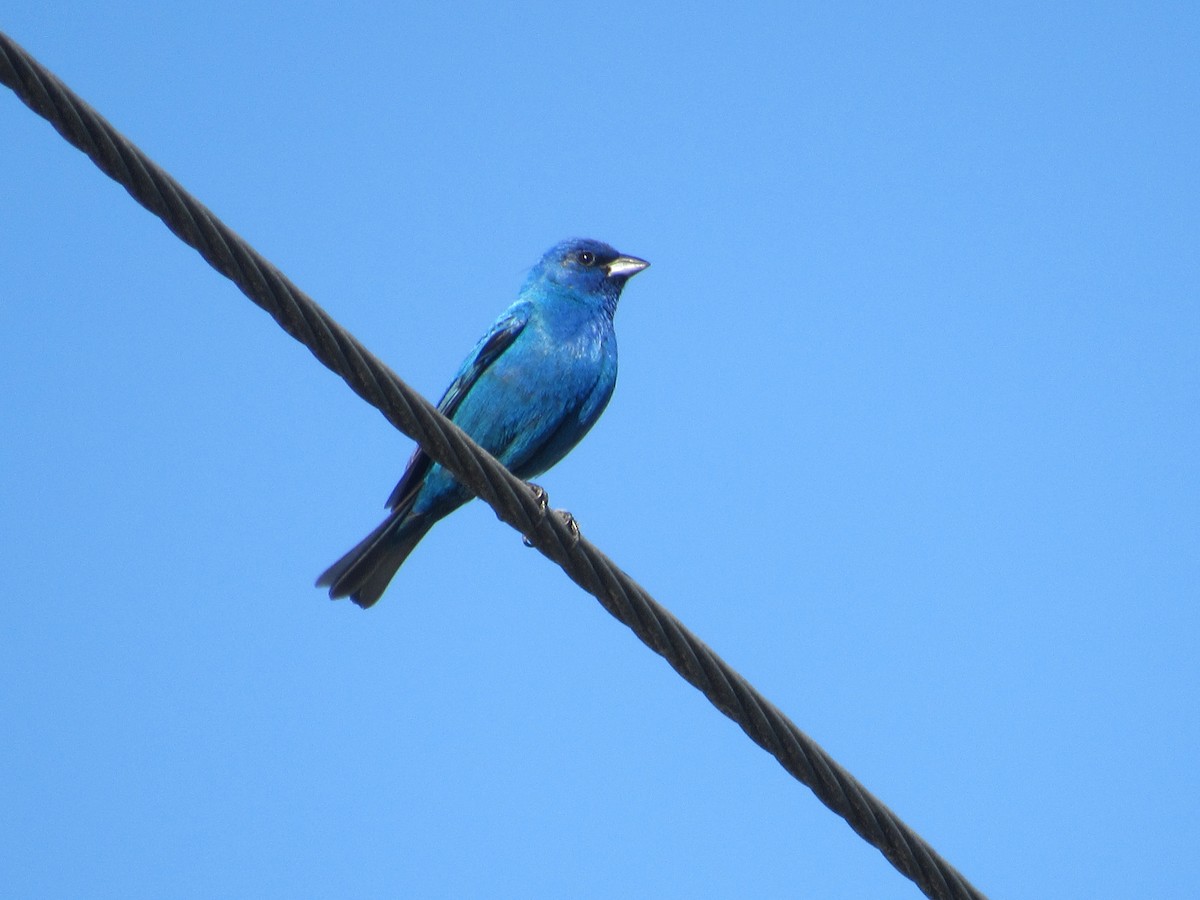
(363, 573)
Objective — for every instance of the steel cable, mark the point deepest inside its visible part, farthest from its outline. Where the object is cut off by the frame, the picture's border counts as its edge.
(513, 501)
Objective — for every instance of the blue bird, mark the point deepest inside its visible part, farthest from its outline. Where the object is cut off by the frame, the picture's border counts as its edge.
(529, 391)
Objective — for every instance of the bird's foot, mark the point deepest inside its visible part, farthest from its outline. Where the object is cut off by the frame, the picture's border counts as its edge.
(568, 520)
(539, 494)
(564, 516)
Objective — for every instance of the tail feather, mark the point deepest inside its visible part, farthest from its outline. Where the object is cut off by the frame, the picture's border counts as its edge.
(364, 572)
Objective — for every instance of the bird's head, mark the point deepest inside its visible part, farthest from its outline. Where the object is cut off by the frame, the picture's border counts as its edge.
(589, 271)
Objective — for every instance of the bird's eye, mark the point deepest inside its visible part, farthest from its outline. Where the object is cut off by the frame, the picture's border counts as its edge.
(587, 258)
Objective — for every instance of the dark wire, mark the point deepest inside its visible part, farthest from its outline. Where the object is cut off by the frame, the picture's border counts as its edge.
(513, 501)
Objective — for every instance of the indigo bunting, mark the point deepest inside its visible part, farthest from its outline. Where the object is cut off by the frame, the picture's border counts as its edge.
(531, 388)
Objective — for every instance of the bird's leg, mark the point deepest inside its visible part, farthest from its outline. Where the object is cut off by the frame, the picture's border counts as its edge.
(564, 516)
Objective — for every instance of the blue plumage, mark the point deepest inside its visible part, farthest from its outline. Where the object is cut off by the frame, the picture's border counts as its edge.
(528, 392)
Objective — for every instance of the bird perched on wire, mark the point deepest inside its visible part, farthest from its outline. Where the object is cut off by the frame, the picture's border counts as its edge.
(531, 388)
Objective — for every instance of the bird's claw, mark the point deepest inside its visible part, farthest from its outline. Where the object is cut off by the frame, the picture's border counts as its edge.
(569, 521)
(539, 494)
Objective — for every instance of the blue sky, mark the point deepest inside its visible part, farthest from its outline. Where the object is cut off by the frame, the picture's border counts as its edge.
(906, 429)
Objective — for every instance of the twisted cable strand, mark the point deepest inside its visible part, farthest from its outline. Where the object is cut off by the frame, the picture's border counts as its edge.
(512, 500)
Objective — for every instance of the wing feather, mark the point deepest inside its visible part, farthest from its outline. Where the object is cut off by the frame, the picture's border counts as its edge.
(490, 348)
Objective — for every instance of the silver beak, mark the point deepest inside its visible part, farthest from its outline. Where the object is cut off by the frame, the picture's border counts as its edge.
(625, 267)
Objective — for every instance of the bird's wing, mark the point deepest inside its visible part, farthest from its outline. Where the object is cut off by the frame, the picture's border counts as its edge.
(487, 351)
